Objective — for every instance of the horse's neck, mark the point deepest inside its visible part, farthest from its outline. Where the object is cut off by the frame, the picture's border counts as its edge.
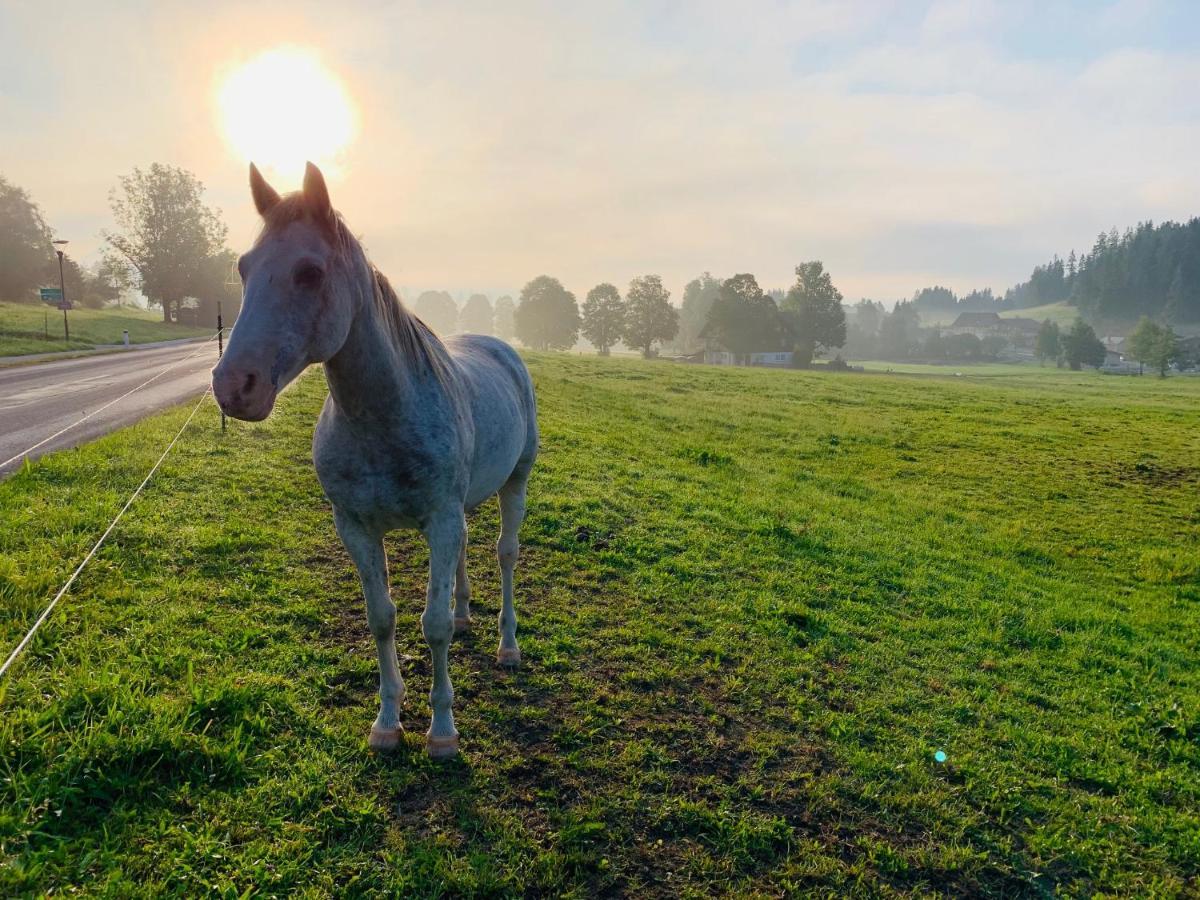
(368, 377)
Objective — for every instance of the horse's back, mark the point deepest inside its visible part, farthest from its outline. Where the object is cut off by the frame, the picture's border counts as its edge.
(503, 407)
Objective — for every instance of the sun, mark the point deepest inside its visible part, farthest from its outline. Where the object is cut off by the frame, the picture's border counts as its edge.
(284, 107)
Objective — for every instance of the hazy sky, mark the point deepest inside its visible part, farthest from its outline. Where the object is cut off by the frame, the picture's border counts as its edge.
(956, 142)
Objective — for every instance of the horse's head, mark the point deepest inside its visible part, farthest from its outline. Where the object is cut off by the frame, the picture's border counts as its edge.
(297, 301)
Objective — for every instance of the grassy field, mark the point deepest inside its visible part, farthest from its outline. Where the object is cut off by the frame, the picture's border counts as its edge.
(753, 606)
(23, 328)
(1062, 313)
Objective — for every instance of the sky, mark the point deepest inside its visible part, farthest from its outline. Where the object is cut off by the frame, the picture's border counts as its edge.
(905, 144)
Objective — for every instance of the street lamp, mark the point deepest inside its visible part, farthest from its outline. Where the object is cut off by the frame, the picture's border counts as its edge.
(62, 286)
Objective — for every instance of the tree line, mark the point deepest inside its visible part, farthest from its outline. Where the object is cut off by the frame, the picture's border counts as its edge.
(1149, 270)
(166, 243)
(734, 314)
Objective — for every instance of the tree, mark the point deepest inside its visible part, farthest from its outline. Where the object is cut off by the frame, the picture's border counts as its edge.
(111, 278)
(935, 298)
(547, 316)
(502, 318)
(603, 317)
(1047, 346)
(900, 331)
(438, 310)
(698, 297)
(218, 283)
(25, 248)
(476, 316)
(165, 232)
(1153, 345)
(819, 320)
(1081, 346)
(1176, 303)
(744, 320)
(649, 315)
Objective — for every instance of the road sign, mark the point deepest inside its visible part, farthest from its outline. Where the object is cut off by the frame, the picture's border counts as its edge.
(51, 295)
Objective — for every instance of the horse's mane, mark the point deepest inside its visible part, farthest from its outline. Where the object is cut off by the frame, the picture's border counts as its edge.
(414, 339)
(418, 346)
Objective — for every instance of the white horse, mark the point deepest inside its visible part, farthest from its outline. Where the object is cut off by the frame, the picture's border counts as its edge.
(414, 433)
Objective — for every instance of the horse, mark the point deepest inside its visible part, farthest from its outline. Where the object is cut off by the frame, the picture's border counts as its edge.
(415, 432)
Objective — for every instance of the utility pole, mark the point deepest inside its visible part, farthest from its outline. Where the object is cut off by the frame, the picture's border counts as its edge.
(62, 285)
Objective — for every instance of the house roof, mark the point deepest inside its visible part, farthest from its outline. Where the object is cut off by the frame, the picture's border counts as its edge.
(1022, 324)
(976, 320)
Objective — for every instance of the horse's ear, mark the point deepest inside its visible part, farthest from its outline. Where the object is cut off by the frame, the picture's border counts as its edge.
(316, 195)
(264, 195)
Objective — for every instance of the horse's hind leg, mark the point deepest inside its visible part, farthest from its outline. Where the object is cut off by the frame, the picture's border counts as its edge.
(462, 591)
(445, 538)
(512, 513)
(366, 550)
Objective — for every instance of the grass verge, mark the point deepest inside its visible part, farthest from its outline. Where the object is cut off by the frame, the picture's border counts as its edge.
(24, 328)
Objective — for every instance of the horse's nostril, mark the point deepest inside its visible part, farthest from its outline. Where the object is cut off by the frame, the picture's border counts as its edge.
(249, 385)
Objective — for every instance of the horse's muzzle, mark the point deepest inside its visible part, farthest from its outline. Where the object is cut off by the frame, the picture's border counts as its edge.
(243, 394)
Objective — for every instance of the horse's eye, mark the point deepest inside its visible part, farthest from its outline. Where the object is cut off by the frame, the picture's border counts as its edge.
(308, 275)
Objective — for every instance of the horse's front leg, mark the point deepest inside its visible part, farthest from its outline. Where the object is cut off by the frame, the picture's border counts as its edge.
(445, 536)
(462, 591)
(366, 549)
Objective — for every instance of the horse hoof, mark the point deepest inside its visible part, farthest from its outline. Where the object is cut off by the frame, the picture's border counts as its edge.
(441, 747)
(462, 626)
(509, 657)
(382, 740)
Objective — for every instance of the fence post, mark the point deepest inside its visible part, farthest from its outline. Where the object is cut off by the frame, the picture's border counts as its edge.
(220, 351)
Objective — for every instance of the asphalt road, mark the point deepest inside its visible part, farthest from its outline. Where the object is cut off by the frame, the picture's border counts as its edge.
(36, 401)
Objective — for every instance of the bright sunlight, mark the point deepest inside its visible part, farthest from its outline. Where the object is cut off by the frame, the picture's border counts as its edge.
(282, 108)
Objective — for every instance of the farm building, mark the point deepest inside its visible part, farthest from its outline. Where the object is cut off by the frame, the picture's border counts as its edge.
(1118, 364)
(980, 324)
(779, 359)
(1020, 331)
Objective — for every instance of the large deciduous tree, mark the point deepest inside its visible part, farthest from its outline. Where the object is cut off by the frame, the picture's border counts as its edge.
(815, 307)
(1153, 345)
(744, 320)
(165, 233)
(438, 310)
(1081, 346)
(25, 248)
(503, 318)
(649, 315)
(476, 315)
(547, 316)
(603, 317)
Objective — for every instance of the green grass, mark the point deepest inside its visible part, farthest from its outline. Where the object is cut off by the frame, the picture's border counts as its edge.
(23, 328)
(1063, 313)
(955, 369)
(753, 605)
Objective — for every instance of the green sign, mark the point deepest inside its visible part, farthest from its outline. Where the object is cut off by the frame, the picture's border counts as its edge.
(52, 295)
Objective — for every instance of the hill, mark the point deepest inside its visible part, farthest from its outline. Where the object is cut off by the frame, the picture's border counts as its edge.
(753, 605)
